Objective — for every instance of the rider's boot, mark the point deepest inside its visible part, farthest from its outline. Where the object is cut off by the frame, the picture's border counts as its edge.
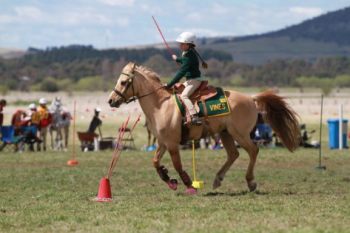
(195, 120)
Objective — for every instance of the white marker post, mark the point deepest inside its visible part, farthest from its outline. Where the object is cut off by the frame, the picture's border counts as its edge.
(340, 126)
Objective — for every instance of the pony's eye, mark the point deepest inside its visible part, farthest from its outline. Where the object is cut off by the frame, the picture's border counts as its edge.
(123, 83)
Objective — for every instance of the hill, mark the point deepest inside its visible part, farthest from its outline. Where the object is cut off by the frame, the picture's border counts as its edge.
(9, 53)
(323, 36)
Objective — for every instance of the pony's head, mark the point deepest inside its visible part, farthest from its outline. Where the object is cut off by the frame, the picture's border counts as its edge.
(56, 105)
(124, 90)
(58, 102)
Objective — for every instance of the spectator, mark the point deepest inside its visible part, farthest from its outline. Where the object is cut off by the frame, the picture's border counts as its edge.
(95, 122)
(2, 105)
(34, 115)
(45, 121)
(19, 119)
(34, 121)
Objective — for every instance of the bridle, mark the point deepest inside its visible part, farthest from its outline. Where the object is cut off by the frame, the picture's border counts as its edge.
(129, 83)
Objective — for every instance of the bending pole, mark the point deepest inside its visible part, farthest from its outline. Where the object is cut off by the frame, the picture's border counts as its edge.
(74, 116)
(193, 162)
(73, 161)
(320, 148)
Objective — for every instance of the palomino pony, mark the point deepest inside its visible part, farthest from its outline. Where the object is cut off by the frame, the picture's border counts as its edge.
(165, 122)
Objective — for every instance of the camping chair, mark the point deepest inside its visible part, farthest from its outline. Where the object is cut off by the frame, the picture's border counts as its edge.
(87, 140)
(128, 139)
(8, 137)
(263, 134)
(30, 136)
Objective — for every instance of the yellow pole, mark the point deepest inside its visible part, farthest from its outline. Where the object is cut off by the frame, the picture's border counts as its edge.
(195, 183)
(193, 162)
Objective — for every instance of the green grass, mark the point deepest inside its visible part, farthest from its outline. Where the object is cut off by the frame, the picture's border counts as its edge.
(39, 193)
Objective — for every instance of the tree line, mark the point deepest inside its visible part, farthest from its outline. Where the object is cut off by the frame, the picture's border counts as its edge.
(85, 68)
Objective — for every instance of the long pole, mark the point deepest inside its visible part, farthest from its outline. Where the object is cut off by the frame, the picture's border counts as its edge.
(74, 116)
(193, 162)
(73, 161)
(161, 34)
(320, 148)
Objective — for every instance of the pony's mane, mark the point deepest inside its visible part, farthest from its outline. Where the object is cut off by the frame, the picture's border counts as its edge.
(148, 73)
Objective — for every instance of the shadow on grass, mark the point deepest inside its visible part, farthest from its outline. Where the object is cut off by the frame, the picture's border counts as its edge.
(233, 194)
(243, 193)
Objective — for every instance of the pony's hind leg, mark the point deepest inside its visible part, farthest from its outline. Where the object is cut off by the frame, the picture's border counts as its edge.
(253, 151)
(232, 155)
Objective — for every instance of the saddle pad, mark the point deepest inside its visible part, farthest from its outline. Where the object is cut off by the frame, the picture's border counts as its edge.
(216, 105)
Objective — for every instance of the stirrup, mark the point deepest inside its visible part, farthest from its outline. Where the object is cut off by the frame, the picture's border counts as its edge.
(195, 120)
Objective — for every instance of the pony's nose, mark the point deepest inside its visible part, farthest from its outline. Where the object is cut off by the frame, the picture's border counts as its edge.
(110, 101)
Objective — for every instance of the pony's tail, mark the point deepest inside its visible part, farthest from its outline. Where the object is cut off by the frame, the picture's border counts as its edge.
(281, 117)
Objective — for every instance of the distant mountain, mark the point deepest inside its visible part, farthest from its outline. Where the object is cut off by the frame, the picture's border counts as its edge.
(8, 53)
(324, 36)
(327, 35)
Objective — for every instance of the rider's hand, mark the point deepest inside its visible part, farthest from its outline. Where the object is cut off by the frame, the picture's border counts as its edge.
(165, 85)
(174, 57)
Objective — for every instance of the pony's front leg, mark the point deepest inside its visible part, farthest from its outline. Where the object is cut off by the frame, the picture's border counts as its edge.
(176, 159)
(161, 170)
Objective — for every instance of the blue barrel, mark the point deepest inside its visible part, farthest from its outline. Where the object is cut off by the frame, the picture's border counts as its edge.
(333, 133)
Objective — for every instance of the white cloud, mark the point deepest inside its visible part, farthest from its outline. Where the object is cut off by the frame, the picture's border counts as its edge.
(219, 9)
(200, 32)
(28, 12)
(89, 17)
(196, 17)
(22, 14)
(306, 11)
(6, 19)
(123, 22)
(127, 3)
(154, 10)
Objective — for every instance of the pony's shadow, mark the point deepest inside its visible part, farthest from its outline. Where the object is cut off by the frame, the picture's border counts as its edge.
(234, 194)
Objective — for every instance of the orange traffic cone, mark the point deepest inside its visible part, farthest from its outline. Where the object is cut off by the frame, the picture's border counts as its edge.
(104, 191)
(72, 162)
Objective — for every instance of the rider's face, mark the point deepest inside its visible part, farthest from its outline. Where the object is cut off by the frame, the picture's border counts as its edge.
(184, 46)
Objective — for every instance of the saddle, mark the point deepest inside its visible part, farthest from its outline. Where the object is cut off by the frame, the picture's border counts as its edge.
(203, 92)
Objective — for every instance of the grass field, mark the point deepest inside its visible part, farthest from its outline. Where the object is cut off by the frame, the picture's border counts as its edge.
(39, 193)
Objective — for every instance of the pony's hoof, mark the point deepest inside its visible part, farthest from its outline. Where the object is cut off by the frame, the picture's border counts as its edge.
(172, 184)
(216, 183)
(191, 191)
(252, 186)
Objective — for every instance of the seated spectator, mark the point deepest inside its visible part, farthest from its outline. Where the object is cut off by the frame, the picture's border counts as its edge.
(2, 105)
(31, 136)
(34, 115)
(19, 119)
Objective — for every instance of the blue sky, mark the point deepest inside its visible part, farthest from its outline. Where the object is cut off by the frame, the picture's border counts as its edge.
(119, 23)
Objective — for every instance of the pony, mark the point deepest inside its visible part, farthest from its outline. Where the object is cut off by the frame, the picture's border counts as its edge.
(60, 124)
(166, 123)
